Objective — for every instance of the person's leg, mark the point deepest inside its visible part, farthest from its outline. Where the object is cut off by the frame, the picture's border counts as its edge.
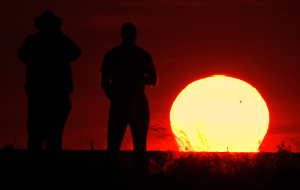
(139, 124)
(139, 136)
(117, 124)
(35, 124)
(58, 112)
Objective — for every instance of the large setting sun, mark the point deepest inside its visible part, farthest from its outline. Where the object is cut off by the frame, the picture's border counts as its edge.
(219, 114)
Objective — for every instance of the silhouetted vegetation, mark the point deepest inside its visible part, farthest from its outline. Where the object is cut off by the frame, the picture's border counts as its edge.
(168, 170)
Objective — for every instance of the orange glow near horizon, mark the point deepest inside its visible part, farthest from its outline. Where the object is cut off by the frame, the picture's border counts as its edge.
(219, 114)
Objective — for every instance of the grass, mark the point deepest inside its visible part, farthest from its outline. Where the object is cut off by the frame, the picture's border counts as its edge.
(168, 170)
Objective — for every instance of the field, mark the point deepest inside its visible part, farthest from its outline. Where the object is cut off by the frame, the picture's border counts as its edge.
(168, 170)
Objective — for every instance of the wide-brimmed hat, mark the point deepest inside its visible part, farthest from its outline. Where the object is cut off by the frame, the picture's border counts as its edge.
(47, 21)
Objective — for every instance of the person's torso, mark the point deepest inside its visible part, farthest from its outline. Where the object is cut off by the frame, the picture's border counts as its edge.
(49, 71)
(128, 70)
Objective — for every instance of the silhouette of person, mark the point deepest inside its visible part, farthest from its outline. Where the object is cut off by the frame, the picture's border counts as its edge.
(126, 69)
(48, 55)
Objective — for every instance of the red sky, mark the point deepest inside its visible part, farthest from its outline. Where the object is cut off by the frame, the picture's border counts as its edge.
(255, 41)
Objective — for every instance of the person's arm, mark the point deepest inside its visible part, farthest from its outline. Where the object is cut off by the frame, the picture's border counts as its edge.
(26, 52)
(76, 51)
(106, 77)
(71, 50)
(150, 74)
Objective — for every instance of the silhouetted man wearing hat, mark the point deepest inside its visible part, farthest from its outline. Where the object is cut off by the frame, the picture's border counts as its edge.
(125, 71)
(48, 55)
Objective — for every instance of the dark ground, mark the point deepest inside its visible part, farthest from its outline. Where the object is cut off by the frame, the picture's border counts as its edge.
(168, 170)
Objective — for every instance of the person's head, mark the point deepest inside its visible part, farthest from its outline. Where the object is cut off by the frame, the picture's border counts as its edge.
(128, 33)
(48, 22)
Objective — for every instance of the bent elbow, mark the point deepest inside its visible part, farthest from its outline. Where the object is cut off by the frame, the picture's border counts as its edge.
(22, 56)
(152, 80)
(76, 55)
(155, 80)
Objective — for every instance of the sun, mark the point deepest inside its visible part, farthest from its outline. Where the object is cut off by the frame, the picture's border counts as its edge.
(219, 114)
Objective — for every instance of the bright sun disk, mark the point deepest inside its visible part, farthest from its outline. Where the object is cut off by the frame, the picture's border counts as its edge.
(219, 114)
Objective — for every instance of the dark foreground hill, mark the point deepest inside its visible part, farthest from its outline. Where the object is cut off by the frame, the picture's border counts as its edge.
(168, 170)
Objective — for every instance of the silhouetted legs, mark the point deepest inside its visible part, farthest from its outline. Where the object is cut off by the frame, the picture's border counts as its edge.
(47, 116)
(139, 134)
(136, 114)
(116, 131)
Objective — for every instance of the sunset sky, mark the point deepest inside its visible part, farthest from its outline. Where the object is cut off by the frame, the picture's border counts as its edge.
(257, 41)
